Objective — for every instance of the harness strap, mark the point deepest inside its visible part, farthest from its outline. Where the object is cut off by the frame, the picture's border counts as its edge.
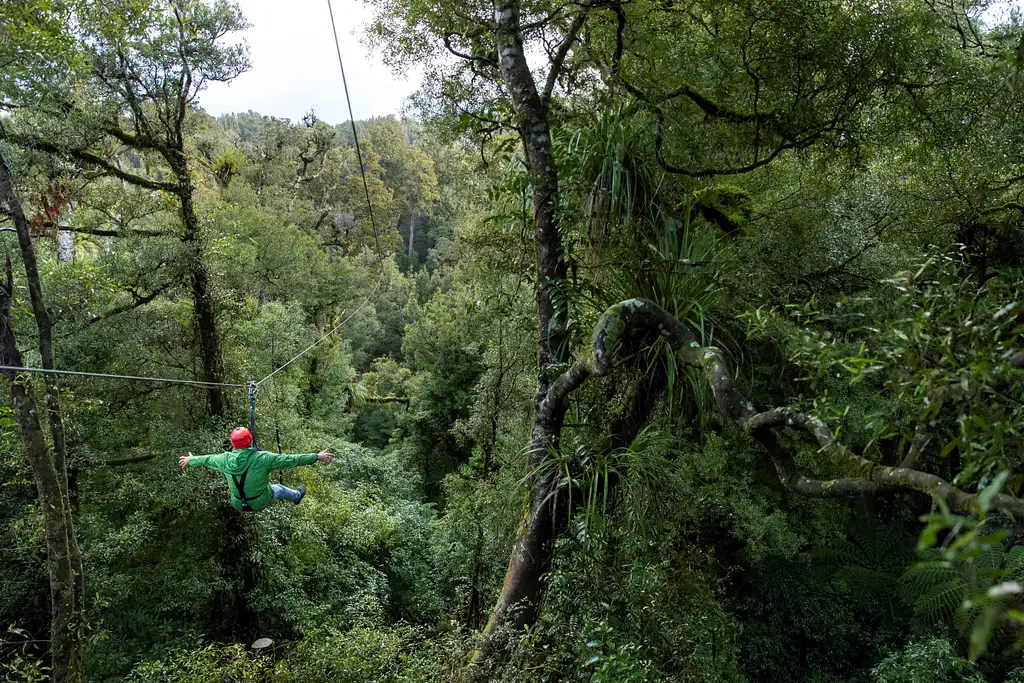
(240, 486)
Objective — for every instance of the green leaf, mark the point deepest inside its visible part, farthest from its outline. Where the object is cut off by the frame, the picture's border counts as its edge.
(982, 631)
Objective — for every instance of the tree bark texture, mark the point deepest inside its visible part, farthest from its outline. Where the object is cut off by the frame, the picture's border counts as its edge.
(65, 651)
(44, 324)
(202, 295)
(531, 555)
(65, 246)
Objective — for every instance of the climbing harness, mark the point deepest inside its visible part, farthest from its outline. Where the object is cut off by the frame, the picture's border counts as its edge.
(240, 487)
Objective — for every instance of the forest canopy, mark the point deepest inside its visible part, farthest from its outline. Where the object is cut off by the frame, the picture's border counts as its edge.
(660, 340)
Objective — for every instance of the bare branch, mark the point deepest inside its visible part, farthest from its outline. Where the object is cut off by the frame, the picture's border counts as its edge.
(139, 301)
(447, 38)
(559, 58)
(923, 431)
(387, 399)
(107, 232)
(125, 461)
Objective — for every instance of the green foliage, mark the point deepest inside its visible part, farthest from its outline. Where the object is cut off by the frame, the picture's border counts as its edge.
(832, 156)
(937, 351)
(971, 578)
(871, 561)
(211, 663)
(924, 661)
(610, 176)
(944, 588)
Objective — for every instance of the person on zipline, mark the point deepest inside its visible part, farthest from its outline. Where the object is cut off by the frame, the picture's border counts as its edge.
(247, 470)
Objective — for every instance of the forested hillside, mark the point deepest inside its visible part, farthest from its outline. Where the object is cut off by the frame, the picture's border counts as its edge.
(667, 340)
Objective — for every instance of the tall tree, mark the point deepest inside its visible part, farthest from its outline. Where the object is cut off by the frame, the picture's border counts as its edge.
(712, 80)
(49, 466)
(37, 55)
(148, 64)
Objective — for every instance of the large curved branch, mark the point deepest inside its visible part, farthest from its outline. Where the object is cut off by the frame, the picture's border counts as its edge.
(896, 477)
(866, 477)
(659, 143)
(608, 334)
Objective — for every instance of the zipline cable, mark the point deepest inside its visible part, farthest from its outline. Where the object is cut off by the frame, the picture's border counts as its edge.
(369, 206)
(194, 382)
(352, 120)
(332, 331)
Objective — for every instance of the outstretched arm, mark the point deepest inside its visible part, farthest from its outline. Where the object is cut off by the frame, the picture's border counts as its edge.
(198, 460)
(285, 461)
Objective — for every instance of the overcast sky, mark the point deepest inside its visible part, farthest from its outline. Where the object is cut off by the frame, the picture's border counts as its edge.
(295, 67)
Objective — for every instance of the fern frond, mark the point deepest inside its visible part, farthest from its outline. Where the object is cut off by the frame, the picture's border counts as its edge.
(920, 578)
(942, 601)
(964, 619)
(866, 582)
(986, 564)
(1014, 562)
(840, 552)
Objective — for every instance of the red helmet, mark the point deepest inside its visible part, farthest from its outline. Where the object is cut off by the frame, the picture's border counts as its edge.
(241, 438)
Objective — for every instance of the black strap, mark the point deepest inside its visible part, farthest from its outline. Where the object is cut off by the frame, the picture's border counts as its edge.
(254, 387)
(240, 486)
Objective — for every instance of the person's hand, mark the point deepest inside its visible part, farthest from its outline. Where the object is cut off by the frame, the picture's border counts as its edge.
(183, 460)
(324, 456)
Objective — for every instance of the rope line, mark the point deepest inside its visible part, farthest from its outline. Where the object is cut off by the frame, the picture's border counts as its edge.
(332, 331)
(369, 206)
(194, 382)
(352, 120)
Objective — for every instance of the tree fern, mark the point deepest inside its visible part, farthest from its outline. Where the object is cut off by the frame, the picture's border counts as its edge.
(943, 600)
(944, 590)
(871, 560)
(1014, 563)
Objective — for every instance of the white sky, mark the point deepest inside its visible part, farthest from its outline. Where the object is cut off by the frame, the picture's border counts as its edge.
(295, 66)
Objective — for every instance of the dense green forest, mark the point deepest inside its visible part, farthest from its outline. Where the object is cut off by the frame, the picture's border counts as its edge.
(668, 340)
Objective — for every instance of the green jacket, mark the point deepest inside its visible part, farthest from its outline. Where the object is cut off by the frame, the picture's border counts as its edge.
(256, 465)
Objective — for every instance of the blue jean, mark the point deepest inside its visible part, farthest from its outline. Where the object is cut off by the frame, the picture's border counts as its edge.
(279, 492)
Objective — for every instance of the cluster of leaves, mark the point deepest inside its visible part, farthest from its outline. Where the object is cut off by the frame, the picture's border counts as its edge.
(934, 351)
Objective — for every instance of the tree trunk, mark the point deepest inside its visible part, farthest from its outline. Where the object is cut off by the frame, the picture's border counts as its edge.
(475, 598)
(65, 651)
(44, 323)
(233, 619)
(412, 233)
(202, 295)
(65, 246)
(531, 554)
